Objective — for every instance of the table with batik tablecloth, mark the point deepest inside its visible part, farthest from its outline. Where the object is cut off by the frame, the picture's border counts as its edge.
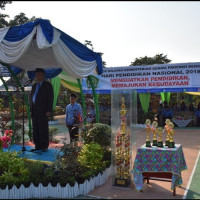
(155, 159)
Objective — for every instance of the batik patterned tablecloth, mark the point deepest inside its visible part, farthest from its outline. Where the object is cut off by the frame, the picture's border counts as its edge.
(154, 159)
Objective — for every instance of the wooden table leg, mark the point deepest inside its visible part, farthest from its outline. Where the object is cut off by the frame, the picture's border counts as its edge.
(174, 192)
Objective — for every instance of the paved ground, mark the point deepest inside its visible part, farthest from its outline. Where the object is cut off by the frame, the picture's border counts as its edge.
(190, 140)
(87, 197)
(194, 190)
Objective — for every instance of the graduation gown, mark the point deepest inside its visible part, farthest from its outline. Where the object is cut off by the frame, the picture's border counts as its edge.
(43, 104)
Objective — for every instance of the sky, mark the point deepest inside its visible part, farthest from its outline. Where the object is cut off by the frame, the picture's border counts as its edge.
(124, 30)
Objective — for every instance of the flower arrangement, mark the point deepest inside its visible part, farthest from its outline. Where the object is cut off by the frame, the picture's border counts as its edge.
(6, 139)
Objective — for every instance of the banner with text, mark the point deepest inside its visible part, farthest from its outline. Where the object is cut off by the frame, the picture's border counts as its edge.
(182, 77)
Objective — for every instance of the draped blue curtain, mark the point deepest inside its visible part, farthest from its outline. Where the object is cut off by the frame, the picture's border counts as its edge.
(49, 73)
(18, 33)
(82, 51)
(5, 72)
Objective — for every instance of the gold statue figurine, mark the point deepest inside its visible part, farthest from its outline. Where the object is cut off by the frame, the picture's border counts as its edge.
(171, 135)
(154, 130)
(126, 173)
(160, 131)
(123, 110)
(148, 130)
(167, 128)
(123, 128)
(119, 172)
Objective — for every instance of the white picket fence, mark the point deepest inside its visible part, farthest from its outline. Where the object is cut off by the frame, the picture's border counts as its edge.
(55, 192)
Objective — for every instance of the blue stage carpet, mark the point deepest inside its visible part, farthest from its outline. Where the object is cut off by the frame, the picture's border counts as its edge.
(50, 155)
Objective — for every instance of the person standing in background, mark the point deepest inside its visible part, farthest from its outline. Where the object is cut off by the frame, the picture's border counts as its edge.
(159, 113)
(73, 117)
(167, 114)
(191, 108)
(197, 114)
(183, 106)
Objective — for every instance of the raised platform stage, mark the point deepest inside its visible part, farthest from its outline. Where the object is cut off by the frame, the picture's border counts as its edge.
(48, 156)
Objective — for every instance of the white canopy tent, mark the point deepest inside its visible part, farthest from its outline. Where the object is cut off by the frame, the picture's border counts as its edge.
(39, 44)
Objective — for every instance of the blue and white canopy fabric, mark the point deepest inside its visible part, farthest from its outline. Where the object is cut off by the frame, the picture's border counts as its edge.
(39, 44)
(4, 72)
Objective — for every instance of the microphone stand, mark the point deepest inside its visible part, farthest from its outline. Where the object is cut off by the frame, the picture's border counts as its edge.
(23, 116)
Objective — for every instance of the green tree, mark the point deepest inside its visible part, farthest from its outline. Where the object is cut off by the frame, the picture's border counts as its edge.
(89, 44)
(3, 21)
(19, 19)
(3, 4)
(157, 59)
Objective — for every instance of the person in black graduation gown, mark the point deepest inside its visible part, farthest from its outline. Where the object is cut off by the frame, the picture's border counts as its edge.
(41, 108)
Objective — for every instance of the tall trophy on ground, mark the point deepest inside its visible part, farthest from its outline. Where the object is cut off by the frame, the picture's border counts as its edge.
(148, 130)
(122, 150)
(171, 137)
(167, 129)
(154, 130)
(160, 131)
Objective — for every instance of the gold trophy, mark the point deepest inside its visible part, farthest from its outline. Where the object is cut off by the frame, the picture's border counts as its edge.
(172, 132)
(123, 128)
(119, 172)
(167, 128)
(148, 130)
(126, 173)
(123, 110)
(118, 156)
(154, 130)
(160, 131)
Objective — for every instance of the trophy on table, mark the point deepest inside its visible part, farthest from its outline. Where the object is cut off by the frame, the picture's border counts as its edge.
(160, 131)
(148, 130)
(154, 130)
(172, 132)
(167, 128)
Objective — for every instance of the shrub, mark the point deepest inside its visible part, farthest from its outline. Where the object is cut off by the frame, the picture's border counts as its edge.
(99, 133)
(17, 134)
(59, 110)
(36, 172)
(66, 168)
(12, 170)
(52, 132)
(91, 157)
